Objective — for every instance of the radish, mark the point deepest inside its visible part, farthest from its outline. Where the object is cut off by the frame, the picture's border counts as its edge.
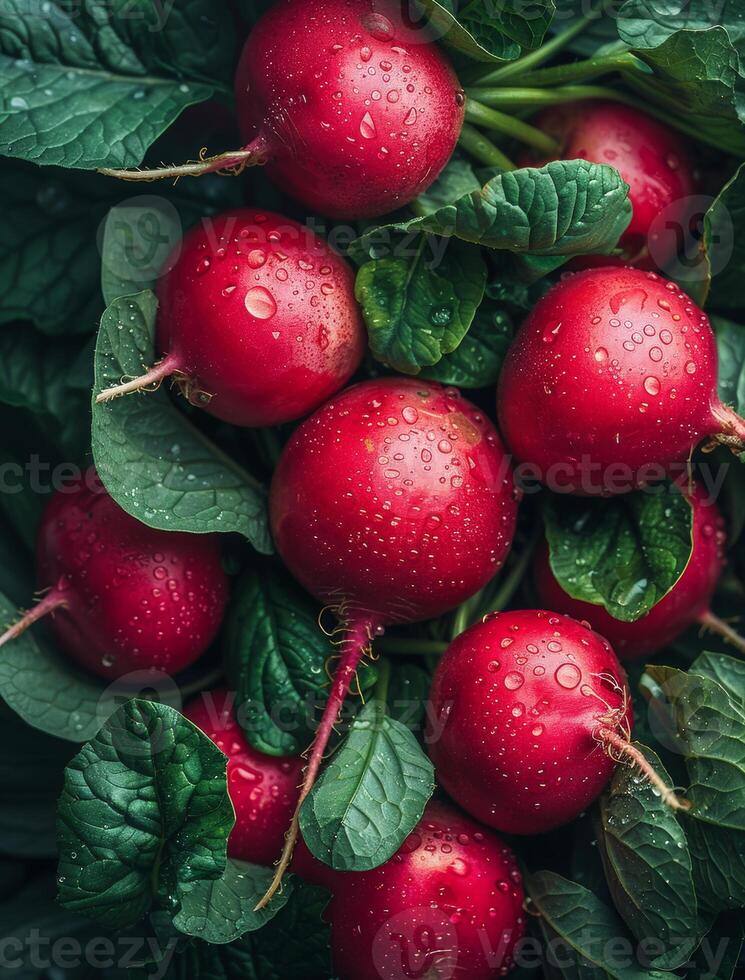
(688, 601)
(354, 112)
(653, 160)
(611, 382)
(262, 788)
(124, 597)
(393, 503)
(449, 903)
(258, 323)
(532, 714)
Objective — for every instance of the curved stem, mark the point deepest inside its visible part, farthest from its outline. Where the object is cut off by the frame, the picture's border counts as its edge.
(406, 645)
(522, 97)
(51, 601)
(547, 50)
(576, 71)
(620, 749)
(150, 380)
(483, 149)
(231, 162)
(357, 641)
(712, 622)
(502, 123)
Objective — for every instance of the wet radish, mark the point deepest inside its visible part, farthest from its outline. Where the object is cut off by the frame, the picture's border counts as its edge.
(393, 503)
(263, 788)
(530, 716)
(687, 603)
(448, 904)
(611, 382)
(353, 112)
(121, 596)
(653, 160)
(257, 320)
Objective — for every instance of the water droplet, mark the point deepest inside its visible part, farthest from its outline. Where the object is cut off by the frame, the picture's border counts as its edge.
(256, 258)
(652, 385)
(513, 680)
(367, 127)
(260, 303)
(410, 117)
(655, 354)
(567, 676)
(601, 354)
(690, 368)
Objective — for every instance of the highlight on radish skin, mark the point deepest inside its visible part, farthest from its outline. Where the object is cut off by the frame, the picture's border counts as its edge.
(262, 788)
(611, 382)
(122, 596)
(392, 504)
(451, 900)
(353, 111)
(530, 716)
(257, 320)
(687, 603)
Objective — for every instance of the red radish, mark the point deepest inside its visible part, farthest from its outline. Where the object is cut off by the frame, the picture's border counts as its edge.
(653, 160)
(611, 382)
(688, 601)
(353, 112)
(393, 503)
(448, 904)
(258, 323)
(263, 788)
(530, 715)
(125, 597)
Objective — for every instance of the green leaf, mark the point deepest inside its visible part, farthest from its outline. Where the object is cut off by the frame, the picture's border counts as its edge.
(370, 796)
(568, 207)
(144, 814)
(697, 77)
(731, 349)
(293, 944)
(719, 953)
(624, 553)
(477, 360)
(30, 782)
(718, 855)
(136, 244)
(152, 460)
(727, 671)
(648, 865)
(35, 374)
(275, 655)
(94, 86)
(647, 23)
(221, 910)
(408, 694)
(489, 32)
(458, 178)
(417, 308)
(583, 928)
(711, 729)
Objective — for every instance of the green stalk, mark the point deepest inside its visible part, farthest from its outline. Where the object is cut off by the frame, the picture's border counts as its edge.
(547, 51)
(482, 149)
(511, 582)
(380, 691)
(408, 646)
(577, 71)
(464, 613)
(529, 98)
(509, 126)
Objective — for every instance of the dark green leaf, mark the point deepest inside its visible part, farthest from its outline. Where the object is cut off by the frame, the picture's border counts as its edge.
(154, 463)
(30, 782)
(144, 814)
(458, 178)
(293, 944)
(647, 23)
(727, 671)
(408, 694)
(418, 308)
(95, 86)
(719, 953)
(477, 360)
(582, 927)
(275, 655)
(370, 796)
(731, 350)
(648, 865)
(568, 207)
(223, 909)
(718, 855)
(489, 32)
(721, 260)
(624, 553)
(711, 727)
(697, 77)
(17, 581)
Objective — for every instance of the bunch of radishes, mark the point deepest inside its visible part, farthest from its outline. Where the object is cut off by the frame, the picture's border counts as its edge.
(394, 502)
